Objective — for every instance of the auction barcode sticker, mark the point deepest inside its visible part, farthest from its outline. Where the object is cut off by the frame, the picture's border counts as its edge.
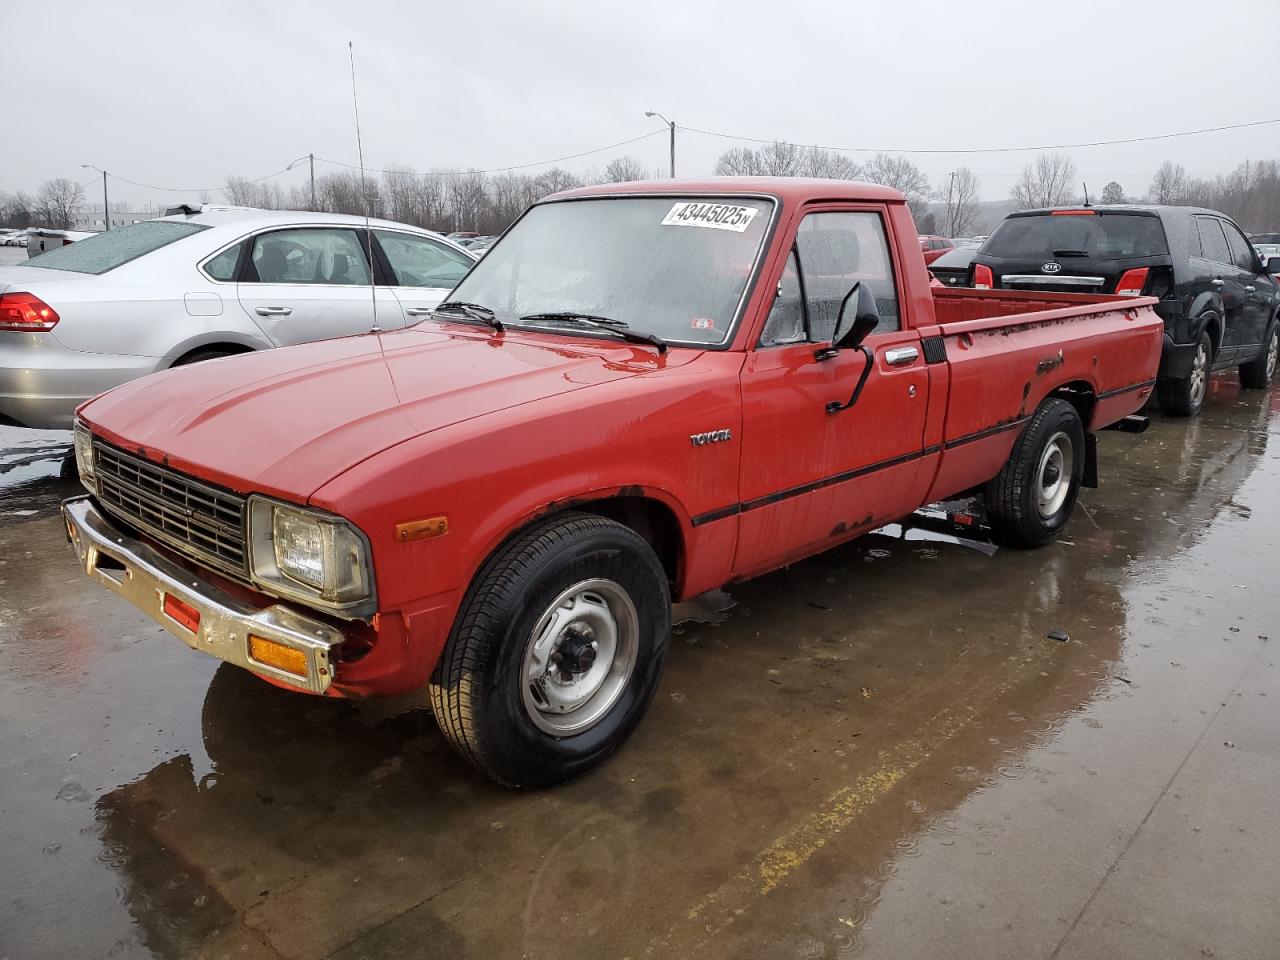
(718, 216)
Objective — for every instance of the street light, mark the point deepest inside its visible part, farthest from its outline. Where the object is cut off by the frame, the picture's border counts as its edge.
(106, 208)
(672, 125)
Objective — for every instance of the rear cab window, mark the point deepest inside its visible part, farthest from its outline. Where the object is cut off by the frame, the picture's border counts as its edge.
(105, 251)
(1099, 235)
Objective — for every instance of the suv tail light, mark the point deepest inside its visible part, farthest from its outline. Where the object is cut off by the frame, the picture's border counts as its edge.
(26, 312)
(1131, 284)
(982, 279)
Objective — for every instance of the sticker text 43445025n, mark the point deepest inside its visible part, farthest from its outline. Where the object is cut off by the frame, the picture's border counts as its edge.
(718, 216)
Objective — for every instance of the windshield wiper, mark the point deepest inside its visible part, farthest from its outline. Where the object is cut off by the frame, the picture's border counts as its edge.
(1071, 253)
(473, 311)
(600, 323)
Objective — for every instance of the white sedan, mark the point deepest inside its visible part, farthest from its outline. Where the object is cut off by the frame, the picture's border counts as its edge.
(206, 282)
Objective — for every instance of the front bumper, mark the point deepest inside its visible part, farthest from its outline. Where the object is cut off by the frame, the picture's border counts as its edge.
(143, 576)
(1176, 359)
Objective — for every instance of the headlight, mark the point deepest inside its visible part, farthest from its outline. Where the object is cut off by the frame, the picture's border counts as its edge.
(84, 453)
(308, 555)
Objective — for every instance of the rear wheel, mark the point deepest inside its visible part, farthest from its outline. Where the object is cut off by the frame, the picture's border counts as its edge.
(1183, 398)
(1030, 500)
(556, 651)
(1257, 373)
(197, 356)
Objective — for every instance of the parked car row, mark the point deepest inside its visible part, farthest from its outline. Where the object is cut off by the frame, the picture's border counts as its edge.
(206, 283)
(643, 392)
(13, 238)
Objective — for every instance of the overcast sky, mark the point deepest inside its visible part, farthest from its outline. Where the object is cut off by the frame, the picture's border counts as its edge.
(180, 94)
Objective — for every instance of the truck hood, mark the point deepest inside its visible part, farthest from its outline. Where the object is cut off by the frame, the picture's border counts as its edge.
(287, 421)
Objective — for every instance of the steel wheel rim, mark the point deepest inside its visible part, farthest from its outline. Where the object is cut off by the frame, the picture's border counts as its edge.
(1199, 377)
(1054, 475)
(595, 613)
(1273, 351)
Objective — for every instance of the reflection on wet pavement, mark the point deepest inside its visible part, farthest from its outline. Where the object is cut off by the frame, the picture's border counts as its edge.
(878, 752)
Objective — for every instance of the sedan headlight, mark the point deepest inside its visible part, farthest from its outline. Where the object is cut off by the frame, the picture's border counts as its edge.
(84, 453)
(309, 555)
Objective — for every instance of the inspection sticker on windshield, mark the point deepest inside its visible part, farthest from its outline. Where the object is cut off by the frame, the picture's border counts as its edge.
(718, 216)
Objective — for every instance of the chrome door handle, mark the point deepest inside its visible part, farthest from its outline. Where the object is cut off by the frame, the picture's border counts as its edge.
(1217, 282)
(1250, 288)
(273, 311)
(419, 311)
(900, 356)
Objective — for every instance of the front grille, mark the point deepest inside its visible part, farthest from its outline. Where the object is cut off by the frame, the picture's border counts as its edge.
(201, 521)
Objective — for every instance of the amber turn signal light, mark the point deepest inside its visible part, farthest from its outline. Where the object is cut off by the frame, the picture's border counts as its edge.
(421, 529)
(275, 654)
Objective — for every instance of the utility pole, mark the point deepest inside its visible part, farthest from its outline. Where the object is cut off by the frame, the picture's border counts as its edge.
(312, 158)
(672, 125)
(106, 207)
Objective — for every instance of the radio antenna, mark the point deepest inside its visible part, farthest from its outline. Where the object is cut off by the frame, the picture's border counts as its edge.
(368, 232)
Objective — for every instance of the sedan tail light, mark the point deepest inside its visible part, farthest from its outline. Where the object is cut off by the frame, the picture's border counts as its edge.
(1131, 284)
(26, 312)
(982, 279)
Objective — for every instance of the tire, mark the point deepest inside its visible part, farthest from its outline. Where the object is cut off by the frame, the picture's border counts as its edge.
(201, 355)
(496, 693)
(1257, 373)
(1183, 398)
(1022, 509)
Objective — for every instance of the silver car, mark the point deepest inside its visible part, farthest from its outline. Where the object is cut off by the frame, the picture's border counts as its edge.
(79, 320)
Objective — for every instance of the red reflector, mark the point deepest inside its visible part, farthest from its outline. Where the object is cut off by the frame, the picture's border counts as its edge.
(964, 519)
(982, 278)
(25, 311)
(1075, 213)
(1133, 281)
(184, 613)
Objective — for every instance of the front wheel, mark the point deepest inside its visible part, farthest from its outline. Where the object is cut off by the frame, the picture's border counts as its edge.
(1031, 498)
(556, 652)
(1183, 398)
(1257, 373)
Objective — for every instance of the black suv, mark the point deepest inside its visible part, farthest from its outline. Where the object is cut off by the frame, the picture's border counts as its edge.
(1218, 302)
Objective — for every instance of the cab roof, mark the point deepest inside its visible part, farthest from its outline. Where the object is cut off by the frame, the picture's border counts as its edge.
(787, 189)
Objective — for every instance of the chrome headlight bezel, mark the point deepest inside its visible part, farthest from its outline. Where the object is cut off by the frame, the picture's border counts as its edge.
(342, 542)
(83, 445)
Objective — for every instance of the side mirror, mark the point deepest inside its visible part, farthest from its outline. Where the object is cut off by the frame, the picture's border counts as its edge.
(1271, 264)
(859, 315)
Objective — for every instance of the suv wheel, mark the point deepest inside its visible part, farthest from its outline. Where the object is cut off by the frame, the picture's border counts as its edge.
(1183, 398)
(1257, 373)
(556, 651)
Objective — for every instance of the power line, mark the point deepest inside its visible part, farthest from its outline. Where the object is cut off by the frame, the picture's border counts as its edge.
(1050, 146)
(223, 188)
(517, 166)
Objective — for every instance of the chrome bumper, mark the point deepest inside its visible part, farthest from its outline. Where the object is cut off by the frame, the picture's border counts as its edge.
(143, 576)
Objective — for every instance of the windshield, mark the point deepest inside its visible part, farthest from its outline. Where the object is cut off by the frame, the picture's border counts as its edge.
(1113, 236)
(106, 251)
(672, 267)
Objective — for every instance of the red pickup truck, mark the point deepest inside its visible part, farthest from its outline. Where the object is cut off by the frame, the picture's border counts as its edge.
(643, 392)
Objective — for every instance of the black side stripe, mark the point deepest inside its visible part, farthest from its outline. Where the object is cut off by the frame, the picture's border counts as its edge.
(983, 434)
(1119, 390)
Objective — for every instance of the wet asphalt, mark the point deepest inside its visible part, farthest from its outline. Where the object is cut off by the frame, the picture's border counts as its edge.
(876, 753)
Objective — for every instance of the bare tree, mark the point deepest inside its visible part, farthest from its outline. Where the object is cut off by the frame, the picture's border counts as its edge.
(622, 169)
(1169, 184)
(555, 180)
(902, 175)
(782, 159)
(960, 201)
(17, 210)
(1049, 182)
(1113, 193)
(58, 202)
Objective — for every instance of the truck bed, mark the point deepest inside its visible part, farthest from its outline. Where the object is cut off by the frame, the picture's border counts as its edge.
(1008, 350)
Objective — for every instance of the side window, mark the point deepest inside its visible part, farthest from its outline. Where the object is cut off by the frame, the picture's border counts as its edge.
(223, 266)
(1213, 244)
(310, 255)
(1241, 250)
(420, 262)
(835, 250)
(786, 319)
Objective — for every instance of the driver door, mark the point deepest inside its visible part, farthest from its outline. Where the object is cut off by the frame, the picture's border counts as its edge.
(809, 476)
